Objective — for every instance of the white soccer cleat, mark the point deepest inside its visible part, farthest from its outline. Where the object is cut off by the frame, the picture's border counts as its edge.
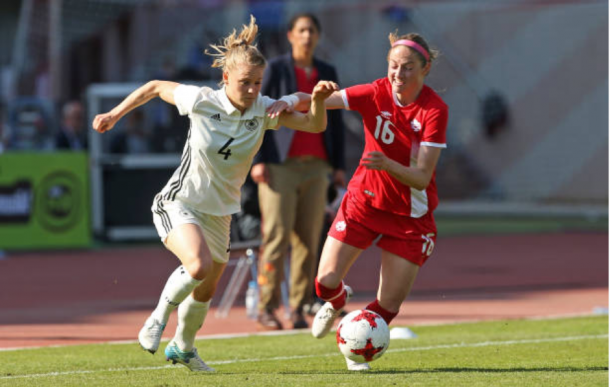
(150, 335)
(353, 366)
(325, 317)
(190, 359)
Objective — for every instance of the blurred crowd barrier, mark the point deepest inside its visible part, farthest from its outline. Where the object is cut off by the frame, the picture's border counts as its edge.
(526, 84)
(44, 200)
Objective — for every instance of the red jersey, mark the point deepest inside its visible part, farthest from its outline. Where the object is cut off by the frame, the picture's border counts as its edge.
(304, 143)
(398, 132)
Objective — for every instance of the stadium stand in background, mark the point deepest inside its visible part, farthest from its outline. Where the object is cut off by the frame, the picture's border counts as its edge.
(528, 129)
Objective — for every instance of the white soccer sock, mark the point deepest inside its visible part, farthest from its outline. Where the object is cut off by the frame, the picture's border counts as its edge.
(179, 285)
(191, 314)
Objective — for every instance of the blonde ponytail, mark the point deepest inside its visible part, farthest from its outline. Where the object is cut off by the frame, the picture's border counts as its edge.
(237, 49)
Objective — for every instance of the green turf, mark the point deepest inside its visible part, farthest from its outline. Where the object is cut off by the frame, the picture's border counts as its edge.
(452, 226)
(564, 352)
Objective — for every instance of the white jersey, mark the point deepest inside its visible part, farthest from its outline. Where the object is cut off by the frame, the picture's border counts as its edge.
(219, 150)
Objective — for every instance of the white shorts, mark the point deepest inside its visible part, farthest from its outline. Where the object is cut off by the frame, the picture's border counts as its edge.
(216, 229)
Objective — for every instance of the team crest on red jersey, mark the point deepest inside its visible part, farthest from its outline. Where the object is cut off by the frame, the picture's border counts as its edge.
(416, 125)
(340, 226)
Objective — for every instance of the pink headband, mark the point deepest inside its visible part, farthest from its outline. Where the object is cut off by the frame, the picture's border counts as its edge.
(412, 44)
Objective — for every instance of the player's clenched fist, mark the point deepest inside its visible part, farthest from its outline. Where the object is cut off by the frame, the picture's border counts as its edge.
(324, 89)
(104, 122)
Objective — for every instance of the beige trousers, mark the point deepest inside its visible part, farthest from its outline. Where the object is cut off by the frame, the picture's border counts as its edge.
(292, 210)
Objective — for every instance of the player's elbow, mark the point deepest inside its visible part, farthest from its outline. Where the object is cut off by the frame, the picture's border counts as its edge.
(422, 182)
(154, 87)
(318, 127)
(419, 186)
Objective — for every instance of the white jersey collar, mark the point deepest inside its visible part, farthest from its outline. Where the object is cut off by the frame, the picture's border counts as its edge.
(230, 109)
(224, 100)
(396, 101)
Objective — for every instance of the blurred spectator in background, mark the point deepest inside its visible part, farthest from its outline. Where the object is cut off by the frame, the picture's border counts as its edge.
(71, 135)
(30, 124)
(292, 170)
(42, 84)
(133, 139)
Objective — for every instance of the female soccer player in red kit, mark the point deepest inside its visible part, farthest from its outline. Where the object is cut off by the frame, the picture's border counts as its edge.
(393, 193)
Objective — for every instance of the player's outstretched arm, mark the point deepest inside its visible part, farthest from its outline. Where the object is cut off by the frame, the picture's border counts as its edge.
(334, 101)
(315, 120)
(300, 101)
(164, 89)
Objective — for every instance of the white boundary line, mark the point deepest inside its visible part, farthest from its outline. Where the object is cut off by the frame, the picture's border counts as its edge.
(282, 358)
(285, 332)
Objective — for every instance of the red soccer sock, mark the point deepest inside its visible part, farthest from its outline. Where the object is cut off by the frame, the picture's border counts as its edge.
(386, 314)
(335, 296)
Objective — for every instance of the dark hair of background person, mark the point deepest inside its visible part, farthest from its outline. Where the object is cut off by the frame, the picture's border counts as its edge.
(311, 16)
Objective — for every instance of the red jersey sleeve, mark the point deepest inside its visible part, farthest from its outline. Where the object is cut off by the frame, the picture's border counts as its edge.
(435, 127)
(360, 96)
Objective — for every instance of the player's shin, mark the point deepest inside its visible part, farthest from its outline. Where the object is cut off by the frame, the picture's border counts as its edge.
(386, 314)
(337, 296)
(191, 315)
(179, 285)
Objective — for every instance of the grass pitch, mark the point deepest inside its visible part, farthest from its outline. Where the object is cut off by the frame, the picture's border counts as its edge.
(558, 352)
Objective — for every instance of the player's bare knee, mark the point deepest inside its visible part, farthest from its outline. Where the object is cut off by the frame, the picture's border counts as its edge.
(199, 267)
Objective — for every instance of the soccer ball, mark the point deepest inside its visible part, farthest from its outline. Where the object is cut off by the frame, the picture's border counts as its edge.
(363, 336)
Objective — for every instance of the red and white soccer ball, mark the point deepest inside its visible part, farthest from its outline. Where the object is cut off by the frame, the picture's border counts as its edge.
(363, 336)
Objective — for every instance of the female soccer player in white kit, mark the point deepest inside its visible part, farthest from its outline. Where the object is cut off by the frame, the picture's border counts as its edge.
(192, 213)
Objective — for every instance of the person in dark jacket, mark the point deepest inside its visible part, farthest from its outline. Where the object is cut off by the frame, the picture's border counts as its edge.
(71, 134)
(292, 172)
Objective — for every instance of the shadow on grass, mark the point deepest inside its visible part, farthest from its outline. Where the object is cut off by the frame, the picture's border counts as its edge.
(452, 370)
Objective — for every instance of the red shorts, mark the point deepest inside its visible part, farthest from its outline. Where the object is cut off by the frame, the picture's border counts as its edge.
(358, 225)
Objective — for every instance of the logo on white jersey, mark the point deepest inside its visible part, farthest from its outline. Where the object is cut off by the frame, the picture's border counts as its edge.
(386, 114)
(416, 125)
(216, 117)
(340, 226)
(251, 125)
